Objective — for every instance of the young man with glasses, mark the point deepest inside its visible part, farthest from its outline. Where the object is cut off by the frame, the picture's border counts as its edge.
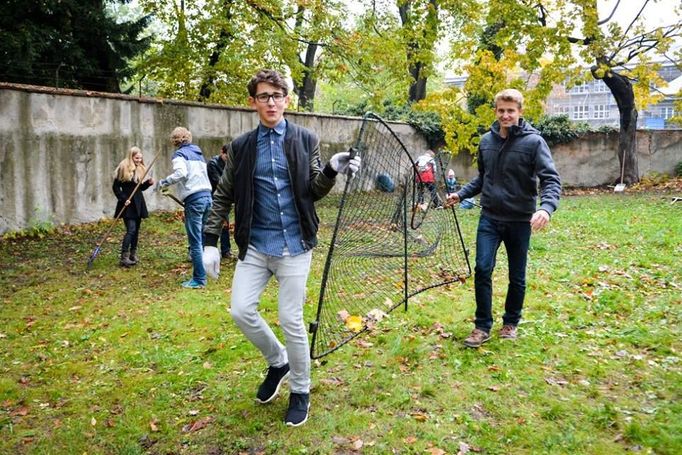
(512, 159)
(273, 175)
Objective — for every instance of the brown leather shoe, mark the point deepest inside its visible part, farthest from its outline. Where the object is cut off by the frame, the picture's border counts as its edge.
(477, 338)
(508, 331)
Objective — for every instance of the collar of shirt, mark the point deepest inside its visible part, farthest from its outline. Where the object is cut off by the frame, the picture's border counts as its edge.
(279, 129)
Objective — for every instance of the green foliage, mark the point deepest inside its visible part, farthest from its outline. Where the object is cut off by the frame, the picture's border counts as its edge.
(39, 226)
(67, 43)
(654, 178)
(678, 169)
(559, 129)
(427, 123)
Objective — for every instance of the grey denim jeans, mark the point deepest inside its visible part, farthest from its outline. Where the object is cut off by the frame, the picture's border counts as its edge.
(250, 278)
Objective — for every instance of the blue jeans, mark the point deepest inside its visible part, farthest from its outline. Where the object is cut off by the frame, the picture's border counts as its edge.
(196, 213)
(516, 237)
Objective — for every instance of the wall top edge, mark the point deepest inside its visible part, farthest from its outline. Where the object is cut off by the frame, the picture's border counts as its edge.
(160, 101)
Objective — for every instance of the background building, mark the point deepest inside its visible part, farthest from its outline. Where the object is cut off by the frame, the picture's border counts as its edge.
(593, 103)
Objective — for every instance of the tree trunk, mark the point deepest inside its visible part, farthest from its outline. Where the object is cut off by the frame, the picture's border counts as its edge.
(306, 89)
(418, 86)
(622, 91)
(208, 84)
(416, 66)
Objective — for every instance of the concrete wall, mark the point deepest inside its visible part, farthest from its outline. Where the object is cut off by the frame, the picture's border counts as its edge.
(593, 159)
(59, 148)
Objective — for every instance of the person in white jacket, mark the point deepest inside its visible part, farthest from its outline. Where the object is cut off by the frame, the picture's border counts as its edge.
(194, 189)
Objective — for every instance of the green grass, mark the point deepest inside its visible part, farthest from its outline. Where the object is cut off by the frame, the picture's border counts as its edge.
(115, 361)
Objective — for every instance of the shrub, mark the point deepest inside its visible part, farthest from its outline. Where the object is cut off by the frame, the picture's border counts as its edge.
(560, 130)
(678, 169)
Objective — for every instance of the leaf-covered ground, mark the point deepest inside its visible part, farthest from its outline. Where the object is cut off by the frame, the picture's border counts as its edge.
(117, 361)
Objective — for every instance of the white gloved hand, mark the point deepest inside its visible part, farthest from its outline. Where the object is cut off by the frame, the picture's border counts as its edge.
(344, 164)
(211, 259)
(161, 186)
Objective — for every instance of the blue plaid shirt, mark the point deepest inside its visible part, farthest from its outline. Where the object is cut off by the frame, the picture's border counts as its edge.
(275, 219)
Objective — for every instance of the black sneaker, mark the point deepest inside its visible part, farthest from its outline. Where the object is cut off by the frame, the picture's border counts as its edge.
(297, 414)
(269, 389)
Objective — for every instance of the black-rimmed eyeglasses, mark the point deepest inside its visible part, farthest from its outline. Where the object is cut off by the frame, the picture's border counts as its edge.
(265, 97)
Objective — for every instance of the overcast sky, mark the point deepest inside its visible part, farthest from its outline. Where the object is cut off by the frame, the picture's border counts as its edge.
(657, 13)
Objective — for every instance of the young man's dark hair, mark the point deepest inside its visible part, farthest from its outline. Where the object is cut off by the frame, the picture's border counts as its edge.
(271, 77)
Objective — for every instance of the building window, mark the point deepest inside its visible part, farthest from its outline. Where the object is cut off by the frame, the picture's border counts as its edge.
(600, 87)
(580, 112)
(560, 109)
(667, 112)
(600, 111)
(582, 88)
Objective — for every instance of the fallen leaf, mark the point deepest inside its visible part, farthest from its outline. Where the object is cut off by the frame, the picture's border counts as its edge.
(343, 315)
(354, 323)
(154, 425)
(363, 344)
(376, 314)
(420, 417)
(93, 421)
(20, 411)
(332, 381)
(463, 448)
(340, 440)
(435, 451)
(198, 425)
(410, 440)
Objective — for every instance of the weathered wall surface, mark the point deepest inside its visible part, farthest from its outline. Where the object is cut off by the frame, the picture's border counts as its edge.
(59, 148)
(593, 159)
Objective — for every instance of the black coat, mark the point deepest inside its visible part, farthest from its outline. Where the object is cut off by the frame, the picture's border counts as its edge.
(215, 168)
(137, 208)
(309, 181)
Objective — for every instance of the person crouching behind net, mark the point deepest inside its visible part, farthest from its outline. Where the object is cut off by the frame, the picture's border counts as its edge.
(273, 175)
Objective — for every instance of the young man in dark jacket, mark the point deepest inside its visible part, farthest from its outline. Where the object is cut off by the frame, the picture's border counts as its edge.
(512, 158)
(216, 165)
(273, 175)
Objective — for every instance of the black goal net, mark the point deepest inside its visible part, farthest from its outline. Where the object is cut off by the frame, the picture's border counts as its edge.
(392, 239)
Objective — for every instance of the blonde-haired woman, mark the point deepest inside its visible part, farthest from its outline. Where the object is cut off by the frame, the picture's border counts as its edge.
(128, 174)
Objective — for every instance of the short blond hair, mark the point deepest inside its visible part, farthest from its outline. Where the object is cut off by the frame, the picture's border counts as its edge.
(510, 94)
(181, 135)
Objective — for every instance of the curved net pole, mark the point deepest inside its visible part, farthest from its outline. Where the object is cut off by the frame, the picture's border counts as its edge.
(390, 242)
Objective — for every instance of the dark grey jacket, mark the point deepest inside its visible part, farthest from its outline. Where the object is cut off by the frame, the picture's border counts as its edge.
(309, 183)
(215, 168)
(508, 174)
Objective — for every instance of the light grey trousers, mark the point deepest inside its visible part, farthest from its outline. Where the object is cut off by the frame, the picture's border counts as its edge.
(250, 278)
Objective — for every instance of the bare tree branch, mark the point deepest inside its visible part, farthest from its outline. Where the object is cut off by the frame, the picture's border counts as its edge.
(604, 21)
